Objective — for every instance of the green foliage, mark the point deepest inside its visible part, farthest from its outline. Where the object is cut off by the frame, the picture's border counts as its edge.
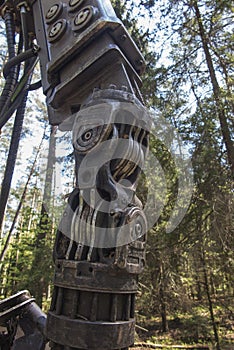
(17, 272)
(186, 290)
(193, 263)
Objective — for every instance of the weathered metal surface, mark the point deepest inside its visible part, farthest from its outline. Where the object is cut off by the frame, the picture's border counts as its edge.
(79, 44)
(13, 306)
(90, 71)
(100, 244)
(21, 310)
(83, 275)
(90, 335)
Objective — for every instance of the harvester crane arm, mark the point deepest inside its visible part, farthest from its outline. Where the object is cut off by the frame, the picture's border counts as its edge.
(90, 75)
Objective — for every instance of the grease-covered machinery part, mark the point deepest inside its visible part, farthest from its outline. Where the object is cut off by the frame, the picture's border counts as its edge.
(82, 43)
(86, 52)
(20, 310)
(100, 244)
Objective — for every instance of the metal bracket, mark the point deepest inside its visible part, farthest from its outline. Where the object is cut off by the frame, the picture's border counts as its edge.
(20, 309)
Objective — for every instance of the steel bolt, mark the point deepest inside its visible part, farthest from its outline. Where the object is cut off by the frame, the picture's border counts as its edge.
(87, 135)
(124, 88)
(52, 11)
(82, 16)
(55, 29)
(76, 3)
(112, 86)
(138, 229)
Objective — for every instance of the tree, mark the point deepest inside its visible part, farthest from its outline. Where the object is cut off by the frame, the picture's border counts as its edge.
(45, 229)
(191, 88)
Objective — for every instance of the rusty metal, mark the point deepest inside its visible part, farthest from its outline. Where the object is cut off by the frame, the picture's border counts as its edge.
(20, 310)
(81, 56)
(90, 69)
(95, 286)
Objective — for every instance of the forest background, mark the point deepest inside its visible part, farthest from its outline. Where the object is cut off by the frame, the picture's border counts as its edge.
(186, 291)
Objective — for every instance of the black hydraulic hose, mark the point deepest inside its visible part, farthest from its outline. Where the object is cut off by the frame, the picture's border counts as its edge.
(15, 138)
(35, 86)
(12, 156)
(17, 95)
(13, 75)
(15, 61)
(10, 32)
(14, 97)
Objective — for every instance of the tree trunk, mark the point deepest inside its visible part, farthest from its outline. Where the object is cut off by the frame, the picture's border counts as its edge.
(211, 309)
(45, 226)
(200, 231)
(5, 247)
(11, 160)
(45, 223)
(162, 299)
(198, 287)
(216, 90)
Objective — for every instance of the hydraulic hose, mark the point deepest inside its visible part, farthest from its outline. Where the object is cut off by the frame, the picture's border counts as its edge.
(11, 160)
(17, 96)
(13, 75)
(10, 32)
(35, 86)
(20, 104)
(15, 61)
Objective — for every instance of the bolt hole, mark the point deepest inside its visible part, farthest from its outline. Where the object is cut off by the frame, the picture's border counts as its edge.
(87, 135)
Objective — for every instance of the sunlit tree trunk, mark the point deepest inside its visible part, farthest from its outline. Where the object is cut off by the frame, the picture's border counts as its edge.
(204, 269)
(22, 199)
(45, 225)
(163, 299)
(216, 89)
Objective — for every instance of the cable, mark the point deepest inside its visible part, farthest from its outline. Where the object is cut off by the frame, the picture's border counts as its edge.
(35, 86)
(16, 99)
(13, 98)
(19, 102)
(13, 76)
(23, 56)
(11, 160)
(17, 96)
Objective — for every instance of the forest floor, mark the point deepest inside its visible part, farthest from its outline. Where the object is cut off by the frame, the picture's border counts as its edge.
(186, 330)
